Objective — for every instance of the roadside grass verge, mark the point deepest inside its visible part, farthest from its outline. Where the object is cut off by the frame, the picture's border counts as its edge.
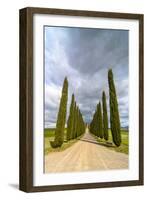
(49, 132)
(123, 148)
(49, 136)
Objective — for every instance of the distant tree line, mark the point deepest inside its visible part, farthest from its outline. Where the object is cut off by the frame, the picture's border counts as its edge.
(99, 123)
(75, 122)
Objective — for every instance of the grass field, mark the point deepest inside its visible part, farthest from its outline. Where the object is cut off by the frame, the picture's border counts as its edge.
(123, 148)
(49, 132)
(49, 136)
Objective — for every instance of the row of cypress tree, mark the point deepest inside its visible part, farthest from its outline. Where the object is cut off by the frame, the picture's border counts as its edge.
(75, 122)
(99, 123)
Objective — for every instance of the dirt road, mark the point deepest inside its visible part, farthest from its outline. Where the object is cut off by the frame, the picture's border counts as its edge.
(85, 155)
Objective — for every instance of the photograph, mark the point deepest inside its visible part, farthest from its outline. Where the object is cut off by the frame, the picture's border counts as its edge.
(86, 99)
(81, 99)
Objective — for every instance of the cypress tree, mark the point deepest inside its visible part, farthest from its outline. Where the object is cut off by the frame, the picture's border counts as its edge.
(82, 125)
(77, 122)
(93, 124)
(114, 112)
(74, 121)
(96, 131)
(60, 125)
(105, 116)
(70, 119)
(100, 121)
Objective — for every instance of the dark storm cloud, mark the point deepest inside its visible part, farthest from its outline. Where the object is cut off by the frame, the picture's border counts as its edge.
(84, 56)
(85, 49)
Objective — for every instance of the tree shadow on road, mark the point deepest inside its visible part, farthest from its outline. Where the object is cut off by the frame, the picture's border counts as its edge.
(96, 142)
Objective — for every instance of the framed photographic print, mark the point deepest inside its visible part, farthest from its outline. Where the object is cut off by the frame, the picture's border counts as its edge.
(81, 99)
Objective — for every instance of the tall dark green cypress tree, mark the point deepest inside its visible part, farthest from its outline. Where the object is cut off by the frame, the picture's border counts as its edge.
(94, 123)
(77, 122)
(105, 117)
(70, 119)
(91, 125)
(80, 124)
(74, 121)
(100, 121)
(60, 125)
(114, 112)
(96, 128)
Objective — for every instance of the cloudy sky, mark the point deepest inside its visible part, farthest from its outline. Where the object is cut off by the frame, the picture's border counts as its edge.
(84, 56)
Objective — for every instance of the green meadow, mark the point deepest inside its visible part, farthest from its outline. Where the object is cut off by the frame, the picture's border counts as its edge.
(123, 148)
(49, 136)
